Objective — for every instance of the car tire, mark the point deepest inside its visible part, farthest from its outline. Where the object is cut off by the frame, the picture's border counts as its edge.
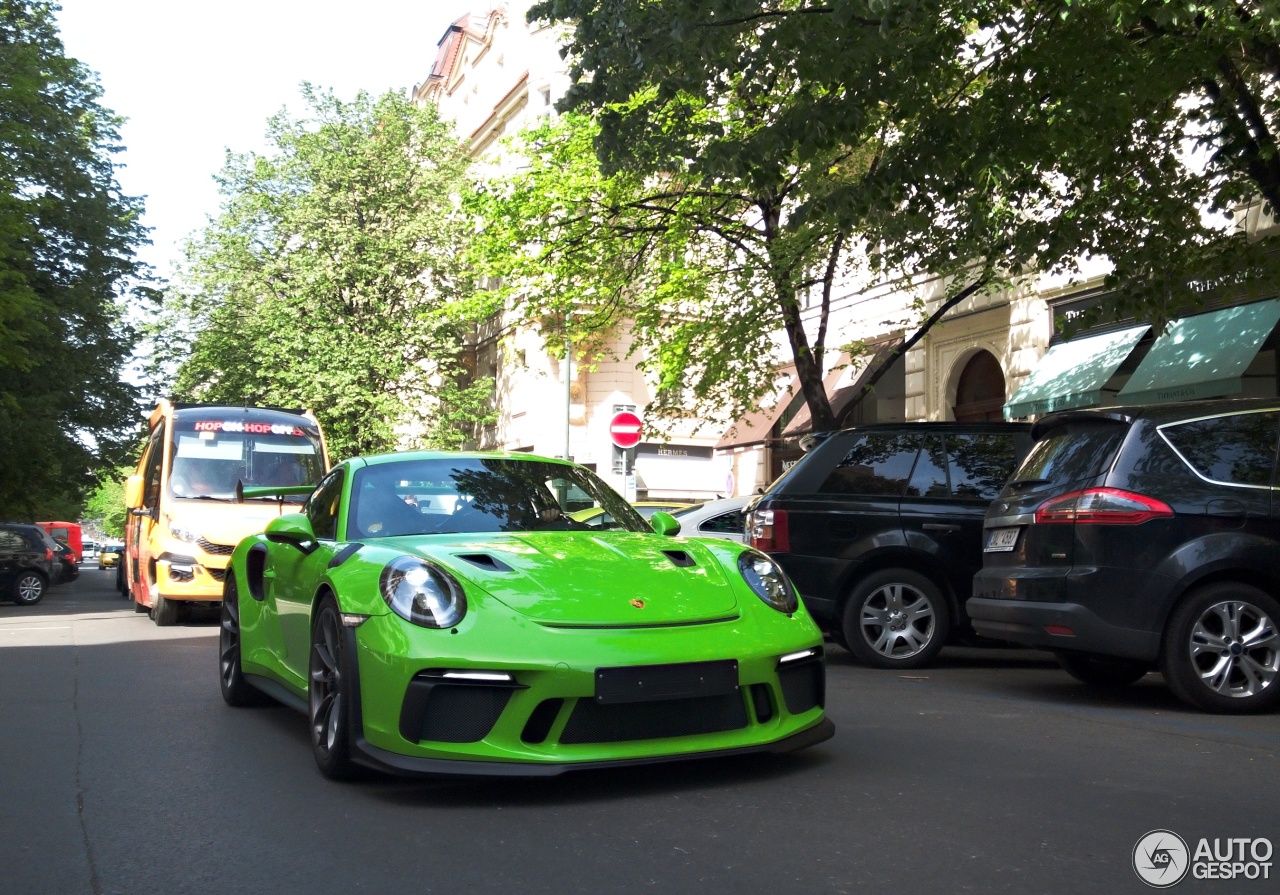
(896, 618)
(1221, 650)
(164, 612)
(236, 690)
(29, 587)
(1102, 672)
(328, 697)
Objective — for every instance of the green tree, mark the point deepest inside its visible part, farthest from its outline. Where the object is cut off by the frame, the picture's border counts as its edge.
(988, 140)
(687, 265)
(326, 280)
(68, 272)
(105, 505)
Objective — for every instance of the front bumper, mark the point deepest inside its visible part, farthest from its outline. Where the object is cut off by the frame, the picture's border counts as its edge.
(191, 578)
(549, 721)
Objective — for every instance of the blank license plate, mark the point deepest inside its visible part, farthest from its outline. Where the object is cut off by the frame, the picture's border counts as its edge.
(645, 683)
(1001, 540)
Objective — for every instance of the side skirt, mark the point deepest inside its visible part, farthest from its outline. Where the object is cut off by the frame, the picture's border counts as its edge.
(278, 692)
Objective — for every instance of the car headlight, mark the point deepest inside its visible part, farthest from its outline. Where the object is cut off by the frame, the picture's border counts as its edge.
(422, 593)
(183, 534)
(768, 581)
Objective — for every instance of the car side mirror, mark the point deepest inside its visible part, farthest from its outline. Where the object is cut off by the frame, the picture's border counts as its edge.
(292, 528)
(665, 524)
(133, 492)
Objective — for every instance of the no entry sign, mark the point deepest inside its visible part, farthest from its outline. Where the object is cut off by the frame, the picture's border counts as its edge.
(625, 428)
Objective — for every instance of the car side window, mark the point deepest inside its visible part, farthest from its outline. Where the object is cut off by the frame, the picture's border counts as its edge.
(1237, 450)
(980, 463)
(152, 472)
(322, 506)
(876, 464)
(930, 476)
(726, 523)
(10, 540)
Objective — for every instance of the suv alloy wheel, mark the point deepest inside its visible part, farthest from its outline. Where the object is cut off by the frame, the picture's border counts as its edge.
(896, 618)
(28, 588)
(1222, 649)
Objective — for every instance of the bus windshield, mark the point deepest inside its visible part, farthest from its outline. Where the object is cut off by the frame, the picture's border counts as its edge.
(210, 457)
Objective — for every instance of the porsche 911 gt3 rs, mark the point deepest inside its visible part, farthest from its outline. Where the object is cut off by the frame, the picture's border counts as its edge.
(443, 613)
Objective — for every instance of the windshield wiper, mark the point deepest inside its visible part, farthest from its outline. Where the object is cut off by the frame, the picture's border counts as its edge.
(1026, 483)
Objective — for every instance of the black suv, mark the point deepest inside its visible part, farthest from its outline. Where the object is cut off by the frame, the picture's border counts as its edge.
(1145, 537)
(880, 529)
(28, 562)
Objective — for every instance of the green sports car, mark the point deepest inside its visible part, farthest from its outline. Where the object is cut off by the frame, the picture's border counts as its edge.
(443, 613)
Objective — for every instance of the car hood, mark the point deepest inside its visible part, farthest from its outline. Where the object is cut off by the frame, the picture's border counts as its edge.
(590, 579)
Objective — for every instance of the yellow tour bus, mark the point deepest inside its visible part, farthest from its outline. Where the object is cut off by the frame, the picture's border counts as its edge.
(186, 514)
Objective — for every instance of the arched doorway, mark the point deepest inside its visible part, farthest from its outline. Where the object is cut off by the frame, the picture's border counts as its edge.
(980, 392)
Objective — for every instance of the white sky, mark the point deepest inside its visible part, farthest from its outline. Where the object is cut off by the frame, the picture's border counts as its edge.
(195, 78)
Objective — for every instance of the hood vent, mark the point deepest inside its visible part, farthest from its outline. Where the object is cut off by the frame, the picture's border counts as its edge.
(484, 561)
(680, 558)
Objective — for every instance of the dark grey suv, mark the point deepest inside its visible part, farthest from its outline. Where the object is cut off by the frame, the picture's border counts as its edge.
(880, 529)
(28, 562)
(1141, 538)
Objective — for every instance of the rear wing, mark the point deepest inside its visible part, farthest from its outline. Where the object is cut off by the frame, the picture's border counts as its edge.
(280, 491)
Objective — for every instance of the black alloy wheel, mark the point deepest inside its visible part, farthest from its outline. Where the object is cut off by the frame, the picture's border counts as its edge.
(329, 708)
(1221, 650)
(896, 618)
(1102, 672)
(29, 588)
(236, 690)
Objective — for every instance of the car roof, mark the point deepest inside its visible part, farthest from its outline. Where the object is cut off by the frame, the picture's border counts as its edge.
(1184, 410)
(409, 456)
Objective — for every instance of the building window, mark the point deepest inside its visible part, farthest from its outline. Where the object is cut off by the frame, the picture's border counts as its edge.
(980, 395)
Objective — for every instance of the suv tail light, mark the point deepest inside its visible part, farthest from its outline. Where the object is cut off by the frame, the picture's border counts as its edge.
(1102, 506)
(48, 554)
(769, 531)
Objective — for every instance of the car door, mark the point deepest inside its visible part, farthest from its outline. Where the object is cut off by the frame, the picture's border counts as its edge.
(12, 546)
(956, 478)
(855, 511)
(144, 521)
(293, 576)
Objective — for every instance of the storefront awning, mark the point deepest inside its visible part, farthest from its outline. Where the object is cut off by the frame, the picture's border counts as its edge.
(1202, 356)
(754, 427)
(1072, 374)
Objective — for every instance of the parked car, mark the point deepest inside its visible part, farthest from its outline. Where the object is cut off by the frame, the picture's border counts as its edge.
(490, 634)
(724, 518)
(880, 528)
(1141, 538)
(109, 556)
(70, 570)
(28, 562)
(598, 517)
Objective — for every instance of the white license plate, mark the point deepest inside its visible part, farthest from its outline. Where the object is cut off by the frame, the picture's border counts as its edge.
(1001, 540)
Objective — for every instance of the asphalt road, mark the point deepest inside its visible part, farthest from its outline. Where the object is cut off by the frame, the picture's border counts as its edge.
(124, 772)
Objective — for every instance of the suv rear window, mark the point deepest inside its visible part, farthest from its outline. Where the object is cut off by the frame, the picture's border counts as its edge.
(1236, 450)
(1071, 453)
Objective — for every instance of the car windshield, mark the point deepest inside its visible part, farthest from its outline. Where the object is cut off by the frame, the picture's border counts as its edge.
(210, 456)
(479, 494)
